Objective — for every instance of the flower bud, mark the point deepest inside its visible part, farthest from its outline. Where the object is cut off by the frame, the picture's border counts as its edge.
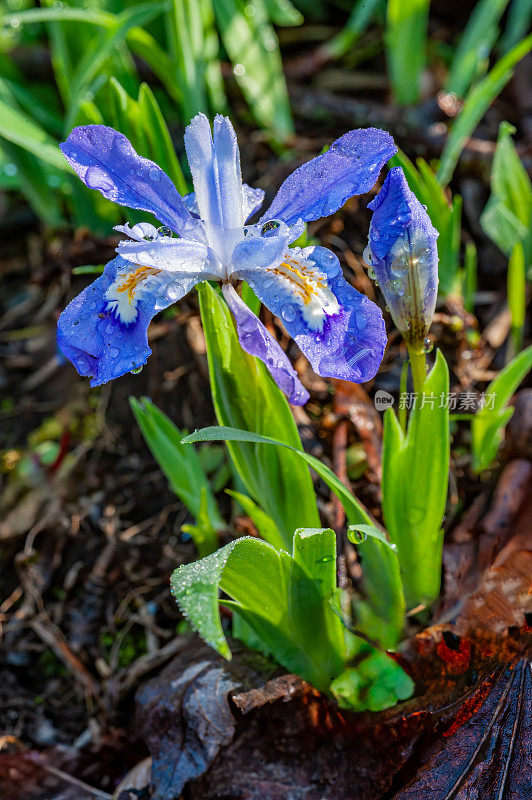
(402, 253)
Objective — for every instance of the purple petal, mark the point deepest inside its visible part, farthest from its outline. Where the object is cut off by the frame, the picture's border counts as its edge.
(105, 160)
(92, 334)
(257, 341)
(321, 186)
(404, 255)
(340, 331)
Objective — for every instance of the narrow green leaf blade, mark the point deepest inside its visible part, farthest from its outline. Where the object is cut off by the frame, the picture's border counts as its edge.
(488, 423)
(475, 106)
(246, 397)
(406, 35)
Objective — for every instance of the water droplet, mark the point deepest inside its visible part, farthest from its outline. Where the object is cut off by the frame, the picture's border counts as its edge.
(395, 288)
(136, 370)
(269, 228)
(239, 69)
(325, 559)
(371, 274)
(58, 5)
(375, 235)
(155, 174)
(428, 345)
(367, 256)
(358, 536)
(15, 22)
(145, 231)
(174, 291)
(164, 231)
(288, 313)
(400, 266)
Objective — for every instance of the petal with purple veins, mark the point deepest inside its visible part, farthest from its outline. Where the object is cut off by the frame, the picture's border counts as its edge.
(256, 340)
(103, 331)
(340, 331)
(320, 187)
(105, 160)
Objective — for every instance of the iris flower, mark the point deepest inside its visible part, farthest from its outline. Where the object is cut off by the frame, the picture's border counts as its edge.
(403, 254)
(206, 236)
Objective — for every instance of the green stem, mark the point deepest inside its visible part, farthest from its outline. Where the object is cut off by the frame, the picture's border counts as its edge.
(402, 393)
(418, 366)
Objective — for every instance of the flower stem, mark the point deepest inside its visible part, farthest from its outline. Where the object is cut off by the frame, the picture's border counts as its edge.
(418, 366)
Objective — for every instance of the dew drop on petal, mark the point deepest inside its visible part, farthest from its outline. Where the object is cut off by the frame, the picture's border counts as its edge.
(164, 231)
(395, 288)
(154, 174)
(371, 274)
(136, 370)
(367, 256)
(288, 313)
(174, 291)
(145, 230)
(428, 345)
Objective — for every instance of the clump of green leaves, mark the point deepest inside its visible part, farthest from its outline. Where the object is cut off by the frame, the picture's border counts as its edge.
(291, 609)
(488, 424)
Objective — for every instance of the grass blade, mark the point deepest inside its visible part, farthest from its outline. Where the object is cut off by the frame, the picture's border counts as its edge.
(475, 106)
(406, 35)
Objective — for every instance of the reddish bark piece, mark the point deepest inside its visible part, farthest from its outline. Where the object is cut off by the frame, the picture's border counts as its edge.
(485, 752)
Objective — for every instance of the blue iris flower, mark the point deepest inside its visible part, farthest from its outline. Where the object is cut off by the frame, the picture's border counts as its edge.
(403, 254)
(103, 331)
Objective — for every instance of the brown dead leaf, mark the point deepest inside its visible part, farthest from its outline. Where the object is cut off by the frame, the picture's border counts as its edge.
(485, 752)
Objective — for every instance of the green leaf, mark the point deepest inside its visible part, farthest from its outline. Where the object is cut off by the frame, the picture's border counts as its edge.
(283, 13)
(160, 144)
(18, 128)
(185, 30)
(507, 217)
(488, 423)
(415, 473)
(517, 295)
(406, 36)
(517, 24)
(359, 19)
(470, 276)
(355, 511)
(202, 532)
(265, 524)
(283, 598)
(253, 49)
(101, 48)
(381, 615)
(181, 466)
(246, 396)
(377, 683)
(475, 45)
(475, 106)
(381, 576)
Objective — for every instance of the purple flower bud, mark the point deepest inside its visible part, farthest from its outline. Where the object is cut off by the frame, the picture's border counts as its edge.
(403, 255)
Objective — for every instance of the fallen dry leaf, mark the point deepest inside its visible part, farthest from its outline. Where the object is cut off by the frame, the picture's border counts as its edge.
(485, 753)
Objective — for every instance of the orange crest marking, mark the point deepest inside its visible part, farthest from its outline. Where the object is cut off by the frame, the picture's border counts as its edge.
(133, 279)
(303, 279)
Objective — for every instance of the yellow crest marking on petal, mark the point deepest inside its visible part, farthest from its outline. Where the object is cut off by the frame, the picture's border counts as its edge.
(133, 279)
(304, 280)
(122, 294)
(310, 286)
